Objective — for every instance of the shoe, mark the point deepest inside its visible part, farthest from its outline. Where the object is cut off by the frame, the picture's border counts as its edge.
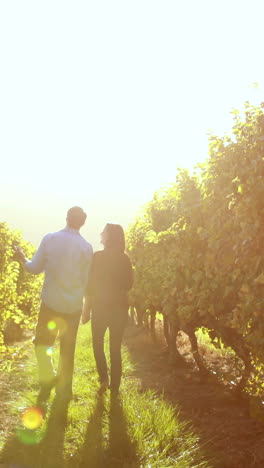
(45, 390)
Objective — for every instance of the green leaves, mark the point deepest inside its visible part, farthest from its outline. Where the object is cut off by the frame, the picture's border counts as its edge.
(198, 247)
(19, 291)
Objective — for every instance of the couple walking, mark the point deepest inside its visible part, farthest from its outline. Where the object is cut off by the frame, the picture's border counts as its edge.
(79, 283)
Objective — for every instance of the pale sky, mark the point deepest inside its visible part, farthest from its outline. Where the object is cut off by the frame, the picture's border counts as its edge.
(101, 101)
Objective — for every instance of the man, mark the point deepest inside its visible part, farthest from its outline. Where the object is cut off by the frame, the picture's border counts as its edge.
(65, 257)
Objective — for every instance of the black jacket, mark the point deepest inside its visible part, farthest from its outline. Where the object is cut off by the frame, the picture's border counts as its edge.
(111, 277)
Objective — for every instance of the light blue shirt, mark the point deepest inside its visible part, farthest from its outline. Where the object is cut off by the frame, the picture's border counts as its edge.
(65, 257)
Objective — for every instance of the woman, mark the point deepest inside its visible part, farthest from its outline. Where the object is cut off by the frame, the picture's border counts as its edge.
(110, 279)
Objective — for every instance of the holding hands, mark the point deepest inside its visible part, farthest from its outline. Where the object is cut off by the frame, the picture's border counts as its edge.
(86, 312)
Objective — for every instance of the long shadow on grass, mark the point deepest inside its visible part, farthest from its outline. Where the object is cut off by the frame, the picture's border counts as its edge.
(31, 449)
(119, 451)
(51, 454)
(227, 431)
(122, 451)
(91, 454)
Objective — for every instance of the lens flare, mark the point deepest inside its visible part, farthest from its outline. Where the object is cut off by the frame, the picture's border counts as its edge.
(32, 417)
(29, 437)
(49, 351)
(52, 325)
(57, 324)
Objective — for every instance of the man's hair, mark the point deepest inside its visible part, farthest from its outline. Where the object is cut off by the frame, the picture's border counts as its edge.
(115, 236)
(76, 217)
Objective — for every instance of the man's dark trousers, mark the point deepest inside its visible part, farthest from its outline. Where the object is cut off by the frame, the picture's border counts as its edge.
(50, 325)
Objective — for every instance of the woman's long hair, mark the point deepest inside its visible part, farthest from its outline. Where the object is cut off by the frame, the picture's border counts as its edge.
(115, 237)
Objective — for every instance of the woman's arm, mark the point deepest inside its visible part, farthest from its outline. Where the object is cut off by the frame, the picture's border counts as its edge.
(89, 292)
(128, 277)
(86, 312)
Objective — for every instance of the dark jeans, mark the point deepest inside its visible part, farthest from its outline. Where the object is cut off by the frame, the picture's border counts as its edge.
(50, 325)
(115, 320)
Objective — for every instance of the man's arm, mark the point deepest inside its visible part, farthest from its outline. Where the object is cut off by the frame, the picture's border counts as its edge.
(19, 255)
(36, 265)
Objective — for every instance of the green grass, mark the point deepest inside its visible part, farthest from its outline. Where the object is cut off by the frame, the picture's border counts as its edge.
(204, 339)
(138, 430)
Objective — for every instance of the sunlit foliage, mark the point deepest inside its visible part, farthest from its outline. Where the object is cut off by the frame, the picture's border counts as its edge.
(19, 291)
(198, 247)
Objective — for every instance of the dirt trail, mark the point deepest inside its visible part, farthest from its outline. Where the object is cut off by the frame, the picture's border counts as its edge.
(226, 427)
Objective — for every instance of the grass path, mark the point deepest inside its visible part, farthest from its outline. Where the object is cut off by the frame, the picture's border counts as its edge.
(231, 428)
(139, 430)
